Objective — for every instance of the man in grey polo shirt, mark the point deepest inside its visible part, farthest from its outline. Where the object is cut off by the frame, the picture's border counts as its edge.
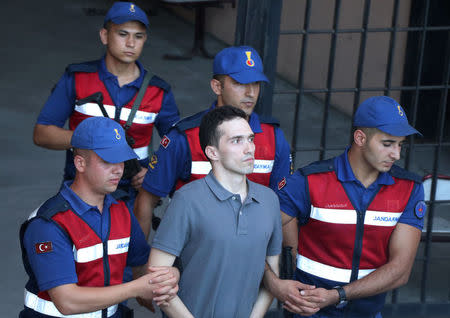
(223, 227)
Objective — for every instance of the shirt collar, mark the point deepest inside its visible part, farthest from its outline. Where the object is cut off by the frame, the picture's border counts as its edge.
(77, 204)
(345, 173)
(253, 121)
(104, 74)
(223, 194)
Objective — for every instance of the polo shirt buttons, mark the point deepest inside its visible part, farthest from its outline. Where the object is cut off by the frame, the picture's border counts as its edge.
(234, 198)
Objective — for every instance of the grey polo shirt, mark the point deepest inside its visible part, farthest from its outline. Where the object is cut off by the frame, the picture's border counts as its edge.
(222, 243)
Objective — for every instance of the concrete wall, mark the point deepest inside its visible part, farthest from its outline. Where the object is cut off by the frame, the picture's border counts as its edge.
(220, 22)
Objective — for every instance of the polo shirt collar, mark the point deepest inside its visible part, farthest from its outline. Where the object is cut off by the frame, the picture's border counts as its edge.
(253, 121)
(345, 173)
(77, 204)
(104, 74)
(223, 194)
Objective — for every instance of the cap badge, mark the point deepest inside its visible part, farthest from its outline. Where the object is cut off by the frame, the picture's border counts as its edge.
(400, 112)
(249, 61)
(117, 134)
(132, 9)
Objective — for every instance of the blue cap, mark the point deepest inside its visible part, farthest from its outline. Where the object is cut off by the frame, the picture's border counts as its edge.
(242, 63)
(384, 113)
(122, 12)
(105, 137)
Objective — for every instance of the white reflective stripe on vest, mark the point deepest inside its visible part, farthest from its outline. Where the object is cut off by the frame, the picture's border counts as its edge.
(91, 253)
(46, 307)
(328, 272)
(339, 216)
(92, 109)
(263, 166)
(203, 167)
(141, 152)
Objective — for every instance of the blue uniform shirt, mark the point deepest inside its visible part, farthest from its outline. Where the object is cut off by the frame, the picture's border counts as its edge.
(58, 267)
(60, 104)
(173, 161)
(295, 201)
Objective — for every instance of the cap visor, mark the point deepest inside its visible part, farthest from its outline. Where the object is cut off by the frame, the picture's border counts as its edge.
(249, 77)
(116, 154)
(399, 130)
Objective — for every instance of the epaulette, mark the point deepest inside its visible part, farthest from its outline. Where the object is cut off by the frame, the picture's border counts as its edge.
(318, 167)
(52, 206)
(191, 121)
(269, 120)
(159, 82)
(401, 173)
(86, 67)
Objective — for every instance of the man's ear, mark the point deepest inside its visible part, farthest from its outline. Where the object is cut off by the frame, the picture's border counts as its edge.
(80, 163)
(212, 153)
(216, 86)
(103, 36)
(359, 137)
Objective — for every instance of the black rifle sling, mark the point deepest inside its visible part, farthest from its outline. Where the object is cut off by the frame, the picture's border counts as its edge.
(138, 100)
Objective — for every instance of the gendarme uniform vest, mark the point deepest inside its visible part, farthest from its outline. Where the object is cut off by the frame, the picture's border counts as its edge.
(87, 82)
(98, 263)
(265, 148)
(339, 244)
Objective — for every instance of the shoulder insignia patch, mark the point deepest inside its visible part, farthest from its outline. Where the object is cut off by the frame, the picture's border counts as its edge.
(153, 161)
(43, 247)
(420, 209)
(165, 141)
(282, 183)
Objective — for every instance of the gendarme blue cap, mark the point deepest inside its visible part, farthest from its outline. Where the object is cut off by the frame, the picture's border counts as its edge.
(105, 137)
(242, 63)
(122, 12)
(384, 113)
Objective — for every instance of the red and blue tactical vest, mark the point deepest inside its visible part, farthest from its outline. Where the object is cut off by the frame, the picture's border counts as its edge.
(339, 244)
(98, 263)
(88, 83)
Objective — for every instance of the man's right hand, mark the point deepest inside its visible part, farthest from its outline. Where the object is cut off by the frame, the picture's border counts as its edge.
(289, 292)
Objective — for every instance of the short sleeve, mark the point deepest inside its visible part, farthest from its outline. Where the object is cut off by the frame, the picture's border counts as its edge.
(138, 250)
(174, 230)
(274, 247)
(282, 164)
(409, 215)
(169, 163)
(50, 254)
(294, 198)
(168, 115)
(60, 103)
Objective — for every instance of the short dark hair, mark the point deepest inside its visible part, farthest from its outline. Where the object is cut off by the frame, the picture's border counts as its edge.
(220, 78)
(208, 133)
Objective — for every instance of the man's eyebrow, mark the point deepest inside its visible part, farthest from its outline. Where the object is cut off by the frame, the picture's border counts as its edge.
(241, 136)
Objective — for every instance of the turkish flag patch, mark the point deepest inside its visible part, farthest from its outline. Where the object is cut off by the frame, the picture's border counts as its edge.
(165, 141)
(281, 184)
(43, 247)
